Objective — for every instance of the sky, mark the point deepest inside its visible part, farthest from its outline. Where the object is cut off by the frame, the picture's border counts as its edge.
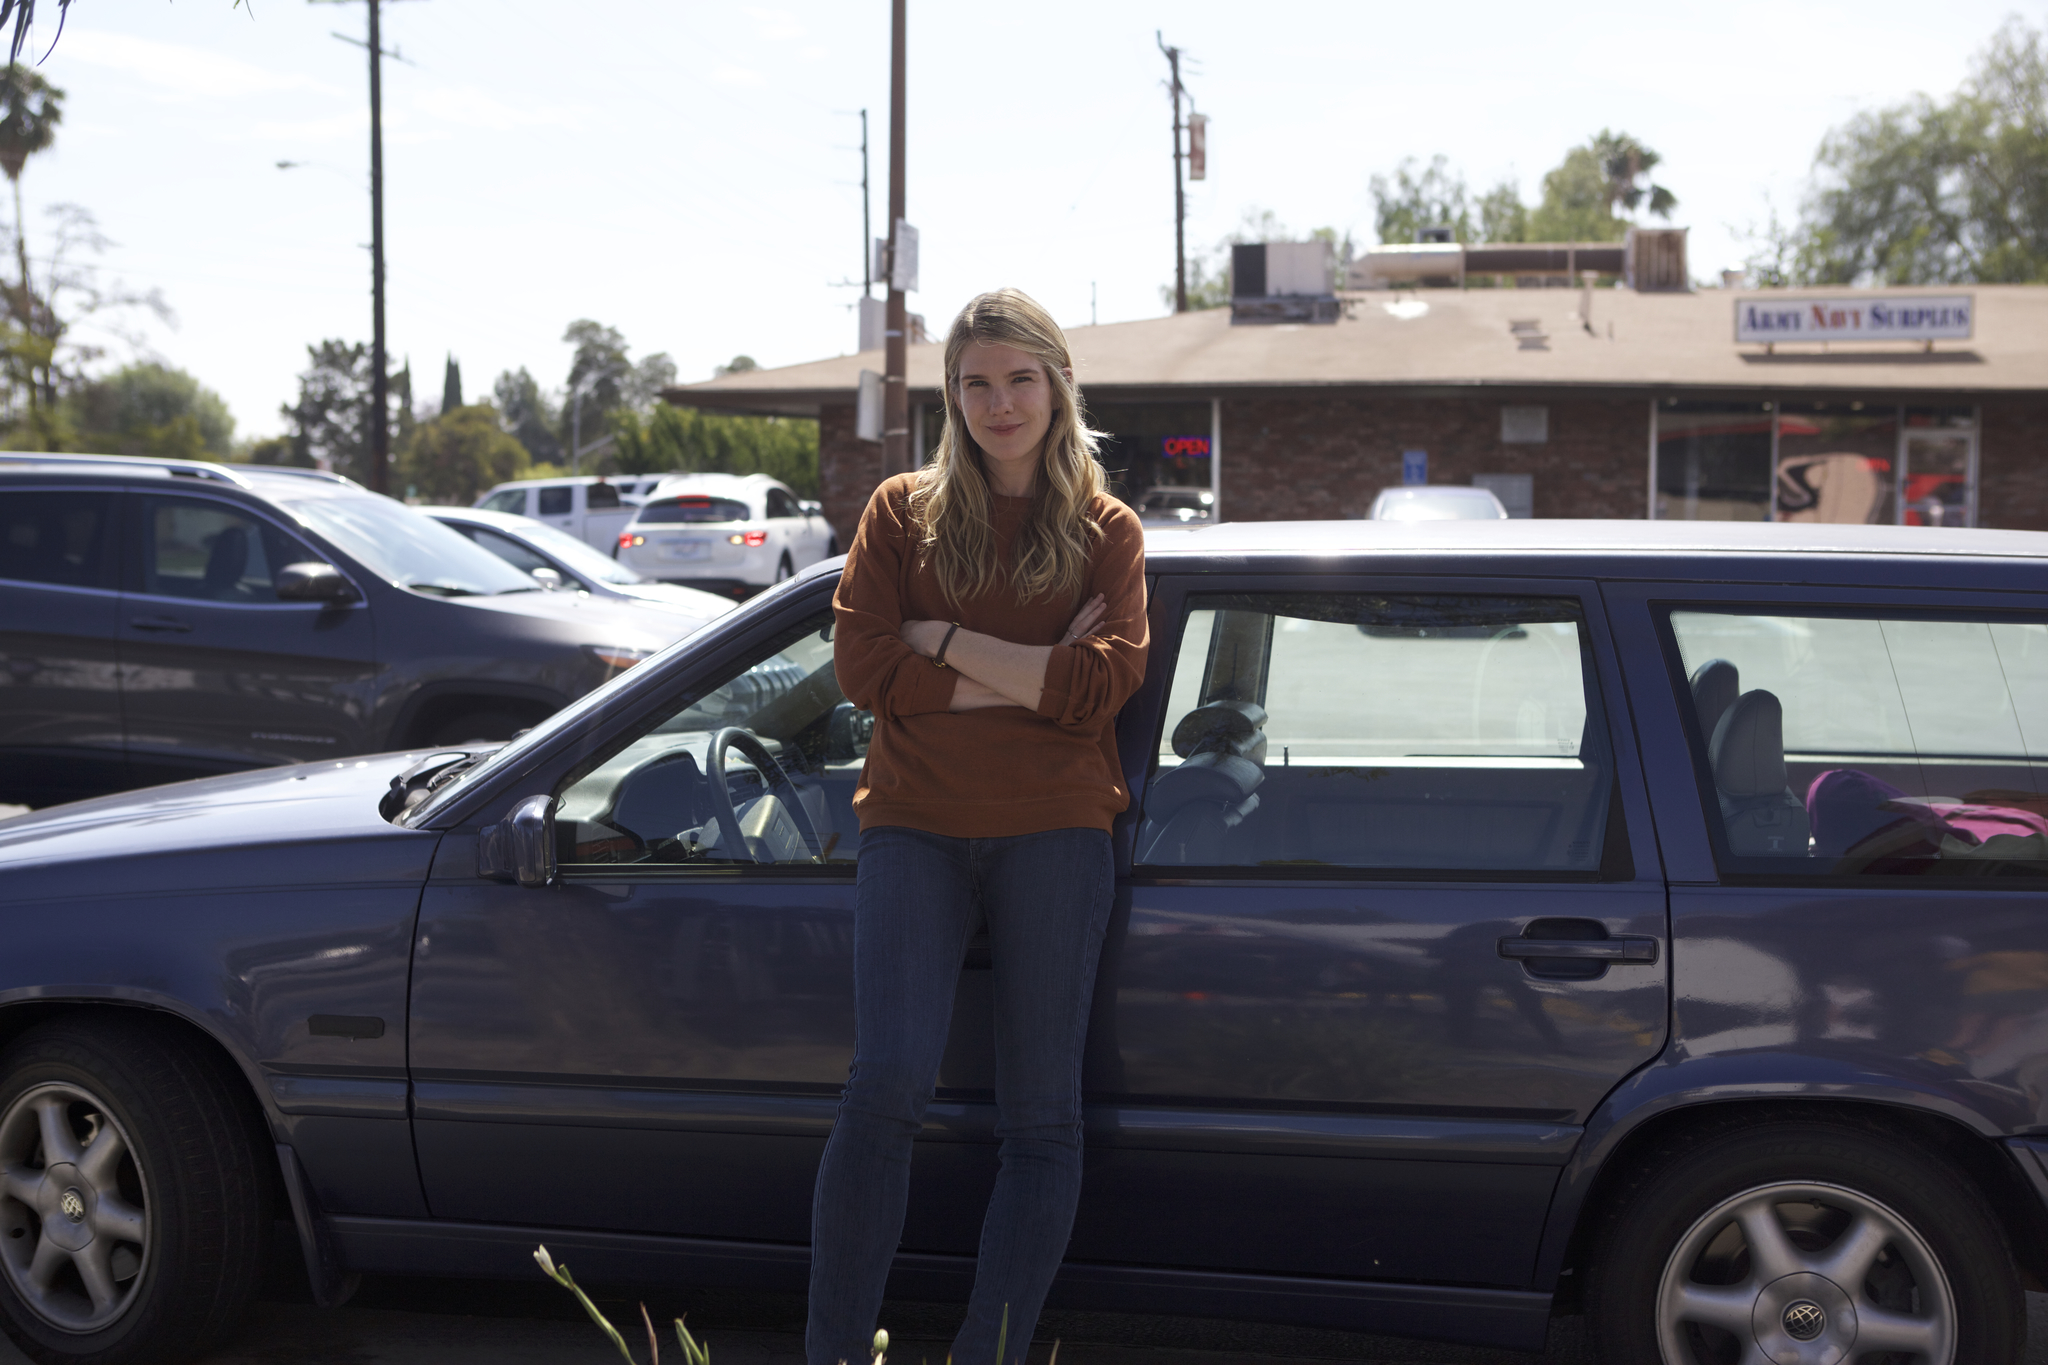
(689, 172)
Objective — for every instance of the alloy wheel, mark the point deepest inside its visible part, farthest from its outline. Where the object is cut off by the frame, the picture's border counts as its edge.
(74, 1208)
(1804, 1274)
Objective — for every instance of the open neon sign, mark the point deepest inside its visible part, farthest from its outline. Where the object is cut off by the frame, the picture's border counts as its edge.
(1184, 447)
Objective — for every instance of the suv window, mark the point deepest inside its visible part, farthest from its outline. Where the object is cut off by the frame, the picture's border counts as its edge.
(1853, 743)
(1356, 730)
(211, 552)
(781, 504)
(600, 496)
(693, 507)
(555, 502)
(511, 500)
(651, 802)
(62, 538)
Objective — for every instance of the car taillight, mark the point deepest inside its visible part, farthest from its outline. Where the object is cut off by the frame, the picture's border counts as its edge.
(627, 540)
(747, 538)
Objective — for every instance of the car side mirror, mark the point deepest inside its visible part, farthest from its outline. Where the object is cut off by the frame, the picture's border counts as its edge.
(848, 733)
(812, 509)
(521, 847)
(313, 582)
(547, 578)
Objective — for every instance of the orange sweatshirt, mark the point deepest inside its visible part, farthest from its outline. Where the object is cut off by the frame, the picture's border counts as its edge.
(1001, 770)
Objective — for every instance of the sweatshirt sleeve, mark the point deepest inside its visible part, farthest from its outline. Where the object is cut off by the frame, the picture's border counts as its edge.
(876, 670)
(1087, 683)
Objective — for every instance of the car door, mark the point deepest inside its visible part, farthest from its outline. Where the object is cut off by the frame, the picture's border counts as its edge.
(60, 697)
(217, 673)
(786, 528)
(1393, 928)
(656, 1043)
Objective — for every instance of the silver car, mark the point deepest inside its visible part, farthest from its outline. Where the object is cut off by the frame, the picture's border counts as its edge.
(560, 561)
(1437, 502)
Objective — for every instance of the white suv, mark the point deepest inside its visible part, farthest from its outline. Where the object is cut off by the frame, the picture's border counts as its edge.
(725, 533)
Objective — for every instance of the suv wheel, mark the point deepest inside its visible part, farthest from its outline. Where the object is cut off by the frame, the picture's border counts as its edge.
(785, 569)
(1802, 1241)
(133, 1213)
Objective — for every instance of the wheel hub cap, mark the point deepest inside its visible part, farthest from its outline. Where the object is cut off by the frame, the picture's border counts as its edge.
(1805, 1319)
(65, 1203)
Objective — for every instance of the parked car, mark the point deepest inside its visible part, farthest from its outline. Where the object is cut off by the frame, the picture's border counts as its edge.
(594, 510)
(162, 619)
(558, 560)
(725, 533)
(1641, 921)
(1174, 505)
(1437, 502)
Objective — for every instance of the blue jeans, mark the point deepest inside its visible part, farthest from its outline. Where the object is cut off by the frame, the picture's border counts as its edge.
(1046, 898)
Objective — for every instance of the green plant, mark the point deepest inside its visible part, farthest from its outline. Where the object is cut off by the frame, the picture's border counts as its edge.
(694, 1352)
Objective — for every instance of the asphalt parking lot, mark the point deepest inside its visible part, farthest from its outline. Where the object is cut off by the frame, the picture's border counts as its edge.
(452, 1322)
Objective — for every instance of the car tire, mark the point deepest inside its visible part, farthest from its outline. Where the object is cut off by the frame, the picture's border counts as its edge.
(784, 569)
(477, 727)
(148, 1245)
(1729, 1243)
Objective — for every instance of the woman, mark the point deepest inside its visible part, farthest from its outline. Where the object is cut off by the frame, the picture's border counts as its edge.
(990, 786)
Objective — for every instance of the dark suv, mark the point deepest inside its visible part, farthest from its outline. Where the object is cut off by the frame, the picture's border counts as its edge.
(1513, 918)
(166, 619)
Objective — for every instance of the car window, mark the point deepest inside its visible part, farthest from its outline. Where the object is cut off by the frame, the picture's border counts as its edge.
(63, 538)
(692, 507)
(555, 502)
(585, 560)
(655, 802)
(409, 548)
(1870, 744)
(512, 500)
(781, 504)
(210, 552)
(1354, 730)
(601, 496)
(506, 548)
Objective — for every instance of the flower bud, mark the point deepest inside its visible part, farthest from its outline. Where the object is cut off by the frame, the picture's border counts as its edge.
(547, 1264)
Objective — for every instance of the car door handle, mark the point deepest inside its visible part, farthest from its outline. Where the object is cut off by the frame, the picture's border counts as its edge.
(160, 623)
(1593, 949)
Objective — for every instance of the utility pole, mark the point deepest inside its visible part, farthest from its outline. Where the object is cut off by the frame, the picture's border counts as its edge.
(867, 224)
(1180, 203)
(380, 395)
(896, 457)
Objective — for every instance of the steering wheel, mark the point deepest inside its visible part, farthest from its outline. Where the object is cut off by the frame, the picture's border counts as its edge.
(729, 836)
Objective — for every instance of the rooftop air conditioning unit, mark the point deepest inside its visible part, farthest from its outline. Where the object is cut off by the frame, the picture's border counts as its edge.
(1654, 260)
(1282, 282)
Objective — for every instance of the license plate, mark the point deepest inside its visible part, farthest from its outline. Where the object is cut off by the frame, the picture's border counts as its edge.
(686, 549)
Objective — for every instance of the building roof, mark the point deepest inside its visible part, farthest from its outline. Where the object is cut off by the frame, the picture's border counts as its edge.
(1467, 339)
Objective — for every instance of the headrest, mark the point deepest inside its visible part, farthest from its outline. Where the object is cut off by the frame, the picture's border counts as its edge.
(1715, 686)
(1748, 751)
(1222, 727)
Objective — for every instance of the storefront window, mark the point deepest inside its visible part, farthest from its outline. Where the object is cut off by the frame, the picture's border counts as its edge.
(1713, 461)
(1835, 462)
(1153, 446)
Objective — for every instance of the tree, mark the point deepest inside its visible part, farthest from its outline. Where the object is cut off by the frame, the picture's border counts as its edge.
(691, 441)
(30, 110)
(1932, 192)
(1625, 162)
(451, 386)
(151, 409)
(1503, 217)
(1581, 196)
(330, 424)
(1420, 197)
(528, 414)
(455, 456)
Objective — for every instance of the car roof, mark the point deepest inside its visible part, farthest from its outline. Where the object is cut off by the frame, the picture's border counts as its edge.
(251, 478)
(725, 484)
(505, 521)
(1437, 490)
(559, 481)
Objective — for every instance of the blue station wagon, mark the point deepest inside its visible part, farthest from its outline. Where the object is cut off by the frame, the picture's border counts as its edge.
(1514, 919)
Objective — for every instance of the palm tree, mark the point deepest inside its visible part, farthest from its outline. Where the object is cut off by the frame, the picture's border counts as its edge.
(1625, 161)
(30, 110)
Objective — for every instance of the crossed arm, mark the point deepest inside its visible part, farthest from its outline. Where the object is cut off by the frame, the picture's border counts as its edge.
(996, 672)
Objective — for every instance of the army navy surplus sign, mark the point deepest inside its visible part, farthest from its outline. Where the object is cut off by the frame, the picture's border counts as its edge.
(1948, 317)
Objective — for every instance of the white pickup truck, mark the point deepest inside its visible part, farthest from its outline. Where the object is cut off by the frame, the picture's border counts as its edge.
(592, 509)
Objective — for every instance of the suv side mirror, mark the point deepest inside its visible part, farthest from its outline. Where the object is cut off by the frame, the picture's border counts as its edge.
(812, 509)
(521, 847)
(547, 578)
(313, 582)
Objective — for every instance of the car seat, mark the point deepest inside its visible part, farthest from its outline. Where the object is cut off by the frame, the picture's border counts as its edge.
(1715, 686)
(1191, 806)
(1762, 816)
(225, 561)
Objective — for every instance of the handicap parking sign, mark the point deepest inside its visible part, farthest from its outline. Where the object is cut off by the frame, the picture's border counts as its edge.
(1414, 466)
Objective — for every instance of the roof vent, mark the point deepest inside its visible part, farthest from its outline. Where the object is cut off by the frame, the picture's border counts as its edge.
(1529, 335)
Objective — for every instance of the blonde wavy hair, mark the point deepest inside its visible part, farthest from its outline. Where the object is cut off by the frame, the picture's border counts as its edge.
(951, 502)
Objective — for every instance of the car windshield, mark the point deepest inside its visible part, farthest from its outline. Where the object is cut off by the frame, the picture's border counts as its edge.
(410, 548)
(580, 557)
(693, 507)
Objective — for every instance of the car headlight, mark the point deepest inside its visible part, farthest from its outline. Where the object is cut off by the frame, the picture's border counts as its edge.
(620, 657)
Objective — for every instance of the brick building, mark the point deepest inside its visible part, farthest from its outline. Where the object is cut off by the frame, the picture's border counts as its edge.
(1569, 403)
